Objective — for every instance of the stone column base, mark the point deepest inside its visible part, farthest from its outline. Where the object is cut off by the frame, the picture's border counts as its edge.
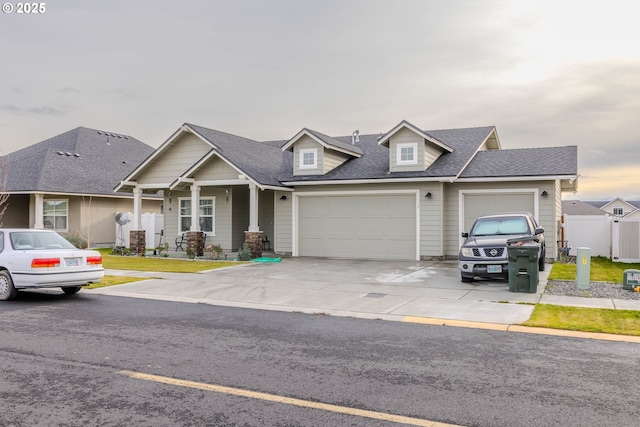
(253, 239)
(137, 242)
(195, 243)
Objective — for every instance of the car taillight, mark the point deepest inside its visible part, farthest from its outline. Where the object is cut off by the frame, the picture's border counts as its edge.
(94, 260)
(45, 262)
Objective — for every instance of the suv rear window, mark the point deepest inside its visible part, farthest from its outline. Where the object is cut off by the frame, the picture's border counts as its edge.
(501, 226)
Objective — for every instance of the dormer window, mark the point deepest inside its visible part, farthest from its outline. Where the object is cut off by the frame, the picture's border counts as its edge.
(618, 211)
(407, 154)
(308, 158)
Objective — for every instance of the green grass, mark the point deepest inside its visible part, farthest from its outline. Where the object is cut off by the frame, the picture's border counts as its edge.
(621, 322)
(114, 280)
(602, 270)
(168, 265)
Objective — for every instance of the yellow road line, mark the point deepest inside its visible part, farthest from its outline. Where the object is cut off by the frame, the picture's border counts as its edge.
(286, 400)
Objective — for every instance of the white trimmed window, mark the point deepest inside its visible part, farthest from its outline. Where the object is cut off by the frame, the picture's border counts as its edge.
(618, 211)
(55, 214)
(308, 158)
(206, 213)
(407, 154)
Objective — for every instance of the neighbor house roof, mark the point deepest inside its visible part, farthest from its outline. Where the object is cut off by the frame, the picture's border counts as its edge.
(577, 207)
(80, 161)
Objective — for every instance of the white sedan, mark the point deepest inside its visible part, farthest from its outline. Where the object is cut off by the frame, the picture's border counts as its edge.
(32, 258)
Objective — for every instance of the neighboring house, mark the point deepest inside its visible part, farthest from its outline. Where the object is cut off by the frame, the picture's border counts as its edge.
(65, 183)
(618, 207)
(405, 194)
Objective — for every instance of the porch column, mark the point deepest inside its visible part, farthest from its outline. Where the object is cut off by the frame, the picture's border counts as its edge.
(195, 208)
(253, 208)
(136, 221)
(39, 211)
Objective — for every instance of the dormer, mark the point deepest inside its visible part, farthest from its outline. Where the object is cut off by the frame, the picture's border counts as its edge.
(411, 149)
(317, 154)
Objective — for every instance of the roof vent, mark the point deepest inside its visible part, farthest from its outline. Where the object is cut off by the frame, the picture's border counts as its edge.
(355, 137)
(99, 133)
(76, 154)
(61, 153)
(67, 153)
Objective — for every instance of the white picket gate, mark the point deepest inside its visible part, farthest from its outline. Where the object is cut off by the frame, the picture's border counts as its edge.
(625, 240)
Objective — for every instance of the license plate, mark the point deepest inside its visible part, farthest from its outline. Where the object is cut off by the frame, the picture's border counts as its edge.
(494, 269)
(72, 262)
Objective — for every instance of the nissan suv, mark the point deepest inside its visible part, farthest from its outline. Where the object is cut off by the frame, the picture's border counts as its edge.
(484, 251)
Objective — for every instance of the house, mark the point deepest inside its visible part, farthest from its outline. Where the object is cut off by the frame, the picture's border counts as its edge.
(618, 207)
(65, 183)
(405, 194)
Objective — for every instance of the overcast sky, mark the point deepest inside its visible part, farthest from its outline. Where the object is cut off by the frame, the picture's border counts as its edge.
(545, 73)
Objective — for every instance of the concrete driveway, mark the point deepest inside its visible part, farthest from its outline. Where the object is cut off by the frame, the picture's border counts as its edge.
(390, 290)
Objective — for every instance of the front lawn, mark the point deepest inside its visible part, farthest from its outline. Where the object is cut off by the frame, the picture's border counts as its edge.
(602, 270)
(606, 321)
(167, 265)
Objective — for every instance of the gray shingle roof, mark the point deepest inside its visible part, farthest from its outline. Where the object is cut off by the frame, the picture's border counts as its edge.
(259, 161)
(524, 162)
(577, 207)
(80, 161)
(374, 163)
(333, 142)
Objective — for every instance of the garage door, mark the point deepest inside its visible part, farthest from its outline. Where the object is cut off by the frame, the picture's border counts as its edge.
(358, 226)
(479, 204)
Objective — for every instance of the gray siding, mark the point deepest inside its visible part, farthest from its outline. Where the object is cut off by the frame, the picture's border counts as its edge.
(216, 168)
(403, 137)
(175, 160)
(282, 241)
(333, 159)
(240, 216)
(307, 142)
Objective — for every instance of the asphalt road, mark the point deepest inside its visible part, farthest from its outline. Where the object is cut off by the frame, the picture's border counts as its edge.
(92, 360)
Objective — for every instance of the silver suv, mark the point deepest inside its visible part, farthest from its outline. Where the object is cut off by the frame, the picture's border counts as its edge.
(484, 251)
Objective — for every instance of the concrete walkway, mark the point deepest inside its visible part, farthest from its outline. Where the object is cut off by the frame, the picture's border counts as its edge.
(388, 290)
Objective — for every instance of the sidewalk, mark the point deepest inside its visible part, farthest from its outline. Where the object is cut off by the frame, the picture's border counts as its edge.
(388, 290)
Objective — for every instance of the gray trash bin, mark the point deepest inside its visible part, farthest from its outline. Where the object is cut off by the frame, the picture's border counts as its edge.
(523, 264)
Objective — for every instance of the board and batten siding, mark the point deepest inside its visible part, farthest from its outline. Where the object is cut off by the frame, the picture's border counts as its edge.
(175, 160)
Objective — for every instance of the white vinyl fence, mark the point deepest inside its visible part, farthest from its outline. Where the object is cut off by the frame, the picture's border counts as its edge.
(588, 231)
(151, 224)
(625, 240)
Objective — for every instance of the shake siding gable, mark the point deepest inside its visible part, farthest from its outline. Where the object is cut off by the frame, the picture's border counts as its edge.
(216, 168)
(306, 142)
(175, 160)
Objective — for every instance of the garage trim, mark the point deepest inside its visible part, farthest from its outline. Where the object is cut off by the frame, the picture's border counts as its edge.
(297, 195)
(535, 192)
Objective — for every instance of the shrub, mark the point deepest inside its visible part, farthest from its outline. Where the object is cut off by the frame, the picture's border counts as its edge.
(78, 242)
(244, 254)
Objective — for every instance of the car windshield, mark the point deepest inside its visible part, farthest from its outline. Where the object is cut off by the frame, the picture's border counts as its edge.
(500, 226)
(30, 240)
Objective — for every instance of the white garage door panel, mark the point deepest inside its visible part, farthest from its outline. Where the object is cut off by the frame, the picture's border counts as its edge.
(480, 204)
(357, 226)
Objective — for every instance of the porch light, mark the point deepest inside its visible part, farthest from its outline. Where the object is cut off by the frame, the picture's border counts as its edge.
(283, 197)
(545, 194)
(428, 195)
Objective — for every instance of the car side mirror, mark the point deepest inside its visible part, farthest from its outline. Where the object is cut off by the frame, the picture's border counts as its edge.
(539, 230)
(465, 234)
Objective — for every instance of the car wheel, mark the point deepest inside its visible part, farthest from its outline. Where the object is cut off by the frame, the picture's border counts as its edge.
(466, 279)
(7, 290)
(541, 261)
(70, 290)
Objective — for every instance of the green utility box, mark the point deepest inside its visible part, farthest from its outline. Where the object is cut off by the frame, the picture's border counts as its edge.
(523, 264)
(631, 279)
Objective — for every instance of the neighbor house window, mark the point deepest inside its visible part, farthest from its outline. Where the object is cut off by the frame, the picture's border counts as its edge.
(55, 214)
(407, 154)
(308, 158)
(206, 212)
(618, 211)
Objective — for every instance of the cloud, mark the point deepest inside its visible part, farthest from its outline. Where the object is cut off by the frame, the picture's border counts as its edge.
(45, 110)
